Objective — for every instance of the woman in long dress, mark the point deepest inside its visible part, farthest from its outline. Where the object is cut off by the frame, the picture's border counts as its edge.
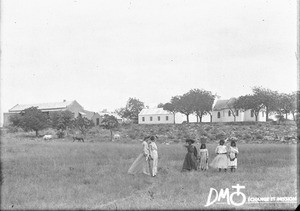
(141, 163)
(154, 155)
(190, 160)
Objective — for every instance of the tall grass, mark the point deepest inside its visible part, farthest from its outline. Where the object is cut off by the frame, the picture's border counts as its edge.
(66, 175)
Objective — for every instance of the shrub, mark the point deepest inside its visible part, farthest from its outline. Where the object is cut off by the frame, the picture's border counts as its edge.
(60, 134)
(12, 129)
(221, 135)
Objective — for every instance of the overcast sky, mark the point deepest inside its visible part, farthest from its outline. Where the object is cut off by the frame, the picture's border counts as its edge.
(100, 53)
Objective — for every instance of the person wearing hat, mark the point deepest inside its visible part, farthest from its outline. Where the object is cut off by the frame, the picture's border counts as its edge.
(190, 160)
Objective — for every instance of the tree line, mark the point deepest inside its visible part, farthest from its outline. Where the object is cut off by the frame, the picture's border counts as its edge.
(33, 119)
(196, 101)
(200, 102)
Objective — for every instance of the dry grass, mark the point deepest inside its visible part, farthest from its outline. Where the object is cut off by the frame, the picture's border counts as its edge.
(66, 175)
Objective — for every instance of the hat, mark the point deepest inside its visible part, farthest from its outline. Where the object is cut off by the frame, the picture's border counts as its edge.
(190, 140)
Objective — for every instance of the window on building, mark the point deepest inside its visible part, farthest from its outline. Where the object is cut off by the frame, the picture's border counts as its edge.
(219, 115)
(97, 121)
(252, 113)
(143, 119)
(237, 113)
(158, 118)
(151, 118)
(229, 113)
(167, 118)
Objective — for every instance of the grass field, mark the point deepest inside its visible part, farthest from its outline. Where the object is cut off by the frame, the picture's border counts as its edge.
(63, 175)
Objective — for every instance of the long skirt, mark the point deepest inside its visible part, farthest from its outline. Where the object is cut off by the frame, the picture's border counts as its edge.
(190, 162)
(154, 163)
(203, 163)
(220, 161)
(140, 165)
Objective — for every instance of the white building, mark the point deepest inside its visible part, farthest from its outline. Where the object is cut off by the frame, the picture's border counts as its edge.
(155, 116)
(160, 116)
(223, 112)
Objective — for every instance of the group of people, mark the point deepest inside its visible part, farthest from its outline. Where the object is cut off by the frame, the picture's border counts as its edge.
(147, 161)
(195, 159)
(226, 156)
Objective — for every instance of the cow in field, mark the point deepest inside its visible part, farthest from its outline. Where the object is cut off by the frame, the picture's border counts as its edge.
(76, 138)
(47, 137)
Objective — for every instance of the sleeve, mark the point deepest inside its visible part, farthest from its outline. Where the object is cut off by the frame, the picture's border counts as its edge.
(195, 151)
(207, 153)
(154, 146)
(237, 151)
(145, 149)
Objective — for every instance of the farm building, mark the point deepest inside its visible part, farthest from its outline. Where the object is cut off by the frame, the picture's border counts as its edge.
(155, 116)
(72, 106)
(223, 112)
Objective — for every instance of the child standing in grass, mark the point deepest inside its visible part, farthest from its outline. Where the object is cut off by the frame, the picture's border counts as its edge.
(203, 157)
(232, 156)
(220, 161)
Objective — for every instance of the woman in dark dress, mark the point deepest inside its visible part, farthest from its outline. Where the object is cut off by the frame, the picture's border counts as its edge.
(190, 160)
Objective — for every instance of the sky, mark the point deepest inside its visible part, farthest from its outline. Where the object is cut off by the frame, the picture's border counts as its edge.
(103, 52)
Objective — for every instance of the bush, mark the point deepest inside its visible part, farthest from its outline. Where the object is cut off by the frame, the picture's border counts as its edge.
(60, 134)
(221, 135)
(12, 129)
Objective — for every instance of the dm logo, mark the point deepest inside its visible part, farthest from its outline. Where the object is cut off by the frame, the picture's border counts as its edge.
(224, 194)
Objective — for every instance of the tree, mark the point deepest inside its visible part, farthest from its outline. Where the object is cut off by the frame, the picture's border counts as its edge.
(170, 107)
(202, 102)
(83, 124)
(32, 119)
(266, 97)
(252, 102)
(183, 104)
(160, 105)
(110, 122)
(286, 103)
(132, 109)
(232, 105)
(61, 120)
(15, 119)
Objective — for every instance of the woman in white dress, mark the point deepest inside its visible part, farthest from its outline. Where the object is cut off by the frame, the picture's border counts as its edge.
(220, 161)
(141, 163)
(154, 155)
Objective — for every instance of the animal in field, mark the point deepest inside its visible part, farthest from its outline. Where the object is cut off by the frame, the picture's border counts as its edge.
(47, 137)
(117, 137)
(76, 138)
